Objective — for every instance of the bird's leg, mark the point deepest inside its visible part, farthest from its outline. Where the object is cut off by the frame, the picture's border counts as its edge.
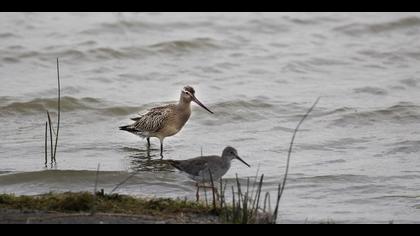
(210, 187)
(148, 153)
(148, 143)
(197, 194)
(205, 186)
(216, 192)
(161, 149)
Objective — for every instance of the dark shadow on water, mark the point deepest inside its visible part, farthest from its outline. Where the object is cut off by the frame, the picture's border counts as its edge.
(147, 160)
(140, 162)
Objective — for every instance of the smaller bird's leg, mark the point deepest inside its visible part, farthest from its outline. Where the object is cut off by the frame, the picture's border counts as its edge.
(197, 194)
(205, 186)
(216, 192)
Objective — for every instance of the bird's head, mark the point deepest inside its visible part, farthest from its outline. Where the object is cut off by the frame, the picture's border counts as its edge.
(231, 153)
(188, 95)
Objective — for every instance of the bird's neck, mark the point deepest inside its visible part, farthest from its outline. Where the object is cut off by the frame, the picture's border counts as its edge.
(226, 160)
(184, 105)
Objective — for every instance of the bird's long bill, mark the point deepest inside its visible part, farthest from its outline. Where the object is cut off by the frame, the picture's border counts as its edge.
(237, 157)
(201, 104)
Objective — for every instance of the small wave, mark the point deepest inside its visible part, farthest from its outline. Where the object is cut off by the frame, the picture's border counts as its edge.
(4, 172)
(310, 19)
(318, 61)
(5, 99)
(58, 175)
(410, 82)
(355, 29)
(250, 104)
(68, 104)
(371, 90)
(83, 53)
(405, 147)
(7, 35)
(119, 26)
(42, 104)
(14, 57)
(336, 145)
(338, 111)
(63, 176)
(345, 178)
(263, 25)
(388, 57)
(36, 182)
(244, 110)
(123, 26)
(402, 112)
(120, 53)
(184, 45)
(79, 54)
(304, 67)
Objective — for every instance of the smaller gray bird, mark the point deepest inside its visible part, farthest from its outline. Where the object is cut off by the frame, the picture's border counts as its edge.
(199, 168)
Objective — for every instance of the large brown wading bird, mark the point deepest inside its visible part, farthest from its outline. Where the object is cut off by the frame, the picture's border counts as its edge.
(164, 121)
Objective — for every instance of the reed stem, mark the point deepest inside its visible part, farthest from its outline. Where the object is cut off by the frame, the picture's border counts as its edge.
(46, 144)
(58, 110)
(51, 136)
(281, 186)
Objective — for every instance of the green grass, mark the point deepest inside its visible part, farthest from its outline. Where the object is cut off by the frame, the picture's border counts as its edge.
(106, 203)
(83, 202)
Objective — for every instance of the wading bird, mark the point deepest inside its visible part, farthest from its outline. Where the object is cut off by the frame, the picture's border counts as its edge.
(164, 121)
(205, 168)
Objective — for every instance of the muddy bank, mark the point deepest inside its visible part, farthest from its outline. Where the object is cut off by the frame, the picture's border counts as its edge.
(15, 216)
(86, 208)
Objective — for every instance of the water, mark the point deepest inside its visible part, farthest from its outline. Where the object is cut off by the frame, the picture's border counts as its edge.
(355, 160)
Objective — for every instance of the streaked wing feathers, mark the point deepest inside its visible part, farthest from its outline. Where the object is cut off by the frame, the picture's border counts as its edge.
(152, 120)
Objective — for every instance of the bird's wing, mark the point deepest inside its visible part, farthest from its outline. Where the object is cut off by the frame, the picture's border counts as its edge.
(197, 166)
(153, 109)
(152, 120)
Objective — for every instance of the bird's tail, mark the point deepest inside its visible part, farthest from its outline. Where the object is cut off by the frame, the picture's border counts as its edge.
(126, 128)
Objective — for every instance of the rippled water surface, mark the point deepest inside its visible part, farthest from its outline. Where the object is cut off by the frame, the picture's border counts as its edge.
(356, 158)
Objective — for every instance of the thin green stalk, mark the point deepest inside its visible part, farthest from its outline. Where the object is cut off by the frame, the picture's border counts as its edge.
(277, 204)
(95, 190)
(96, 178)
(59, 111)
(205, 193)
(281, 187)
(123, 182)
(255, 182)
(259, 189)
(222, 193)
(233, 204)
(245, 204)
(239, 190)
(51, 135)
(267, 200)
(46, 144)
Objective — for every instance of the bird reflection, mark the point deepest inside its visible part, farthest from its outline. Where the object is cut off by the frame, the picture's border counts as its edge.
(143, 160)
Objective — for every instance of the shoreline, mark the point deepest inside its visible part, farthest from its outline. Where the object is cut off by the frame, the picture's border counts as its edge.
(16, 216)
(88, 208)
